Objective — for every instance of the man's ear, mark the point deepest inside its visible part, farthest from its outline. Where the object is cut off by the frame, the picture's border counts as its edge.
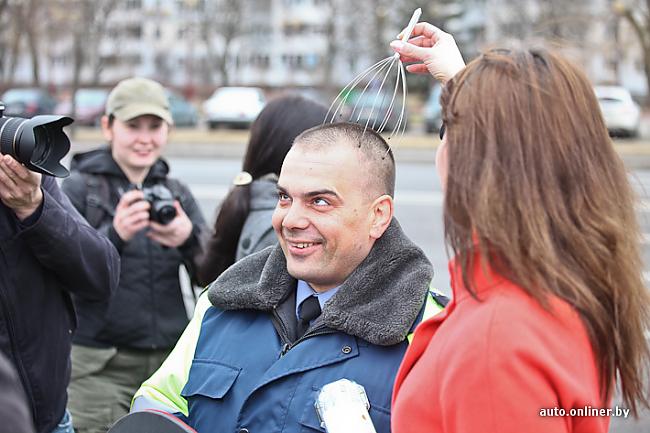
(382, 215)
(106, 129)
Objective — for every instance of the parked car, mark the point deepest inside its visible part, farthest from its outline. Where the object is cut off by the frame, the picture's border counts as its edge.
(433, 111)
(622, 115)
(90, 104)
(183, 112)
(233, 106)
(372, 108)
(28, 102)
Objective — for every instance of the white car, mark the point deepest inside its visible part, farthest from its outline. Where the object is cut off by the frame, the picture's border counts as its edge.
(233, 106)
(622, 115)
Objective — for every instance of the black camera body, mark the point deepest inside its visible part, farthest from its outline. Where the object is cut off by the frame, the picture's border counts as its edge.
(161, 200)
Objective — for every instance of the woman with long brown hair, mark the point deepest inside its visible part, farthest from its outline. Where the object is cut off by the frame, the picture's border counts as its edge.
(549, 308)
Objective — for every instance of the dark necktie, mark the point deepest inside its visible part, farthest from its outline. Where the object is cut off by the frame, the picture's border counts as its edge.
(309, 310)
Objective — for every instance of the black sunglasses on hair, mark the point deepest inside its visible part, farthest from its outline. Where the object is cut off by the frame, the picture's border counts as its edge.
(443, 128)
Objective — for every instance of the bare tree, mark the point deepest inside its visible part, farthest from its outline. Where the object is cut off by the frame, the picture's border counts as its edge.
(31, 18)
(8, 38)
(637, 14)
(81, 25)
(221, 21)
(24, 18)
(331, 51)
(98, 27)
(341, 28)
(556, 21)
(12, 34)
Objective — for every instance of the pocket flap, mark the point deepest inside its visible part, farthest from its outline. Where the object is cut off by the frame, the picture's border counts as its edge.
(209, 379)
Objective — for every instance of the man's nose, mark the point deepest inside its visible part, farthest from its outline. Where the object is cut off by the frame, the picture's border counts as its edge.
(295, 218)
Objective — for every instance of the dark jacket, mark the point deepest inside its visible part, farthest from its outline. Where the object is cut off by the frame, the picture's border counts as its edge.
(14, 412)
(40, 265)
(237, 367)
(147, 310)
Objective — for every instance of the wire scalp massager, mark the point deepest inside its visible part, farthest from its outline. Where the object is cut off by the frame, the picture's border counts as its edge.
(373, 80)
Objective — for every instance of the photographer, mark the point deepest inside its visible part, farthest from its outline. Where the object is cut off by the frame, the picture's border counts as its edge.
(47, 253)
(155, 223)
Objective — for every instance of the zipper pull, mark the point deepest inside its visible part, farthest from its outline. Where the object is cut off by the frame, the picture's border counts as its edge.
(285, 349)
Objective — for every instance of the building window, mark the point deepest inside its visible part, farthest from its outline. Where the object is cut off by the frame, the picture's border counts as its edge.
(133, 31)
(60, 60)
(259, 61)
(311, 61)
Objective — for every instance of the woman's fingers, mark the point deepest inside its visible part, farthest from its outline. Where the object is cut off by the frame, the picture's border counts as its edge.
(419, 68)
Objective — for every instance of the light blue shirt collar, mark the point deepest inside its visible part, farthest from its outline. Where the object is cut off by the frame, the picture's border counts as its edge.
(304, 291)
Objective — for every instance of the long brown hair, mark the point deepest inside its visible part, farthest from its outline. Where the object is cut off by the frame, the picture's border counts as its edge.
(533, 176)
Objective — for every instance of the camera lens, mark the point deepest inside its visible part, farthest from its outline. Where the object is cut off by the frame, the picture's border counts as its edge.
(41, 147)
(39, 143)
(9, 130)
(162, 203)
(165, 214)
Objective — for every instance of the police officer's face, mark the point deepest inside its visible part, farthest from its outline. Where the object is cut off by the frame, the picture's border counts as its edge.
(325, 219)
(137, 143)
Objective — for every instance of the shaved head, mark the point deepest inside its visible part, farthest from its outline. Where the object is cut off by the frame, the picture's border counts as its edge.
(374, 152)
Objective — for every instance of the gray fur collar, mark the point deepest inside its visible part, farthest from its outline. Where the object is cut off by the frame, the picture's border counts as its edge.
(379, 301)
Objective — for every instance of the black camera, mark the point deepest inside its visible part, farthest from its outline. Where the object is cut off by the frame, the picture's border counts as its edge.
(39, 143)
(161, 199)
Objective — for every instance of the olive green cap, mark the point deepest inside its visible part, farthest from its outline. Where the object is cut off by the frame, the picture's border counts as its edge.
(135, 97)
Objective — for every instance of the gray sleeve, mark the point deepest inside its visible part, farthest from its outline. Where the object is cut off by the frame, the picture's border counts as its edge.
(256, 234)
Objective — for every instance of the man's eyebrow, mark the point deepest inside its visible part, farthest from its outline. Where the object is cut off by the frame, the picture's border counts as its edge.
(322, 192)
(315, 193)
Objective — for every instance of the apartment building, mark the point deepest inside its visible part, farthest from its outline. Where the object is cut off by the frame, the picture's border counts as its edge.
(280, 43)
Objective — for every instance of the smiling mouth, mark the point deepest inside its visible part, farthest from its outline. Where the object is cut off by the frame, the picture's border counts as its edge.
(303, 245)
(302, 248)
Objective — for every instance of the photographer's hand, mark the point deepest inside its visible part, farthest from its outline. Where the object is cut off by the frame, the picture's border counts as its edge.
(20, 189)
(175, 233)
(131, 214)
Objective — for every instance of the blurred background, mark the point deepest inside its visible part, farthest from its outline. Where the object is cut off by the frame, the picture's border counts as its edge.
(52, 50)
(221, 60)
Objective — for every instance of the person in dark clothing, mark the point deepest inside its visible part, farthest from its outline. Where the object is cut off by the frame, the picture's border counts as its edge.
(13, 403)
(243, 224)
(118, 347)
(47, 253)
